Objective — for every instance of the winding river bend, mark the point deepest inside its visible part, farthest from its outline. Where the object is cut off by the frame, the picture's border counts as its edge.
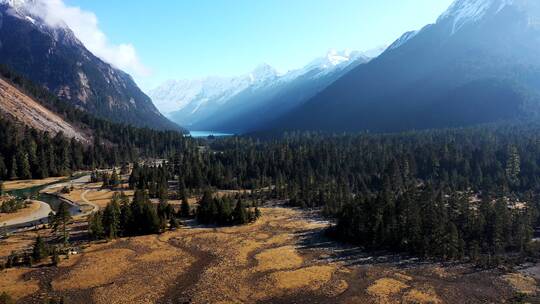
(52, 200)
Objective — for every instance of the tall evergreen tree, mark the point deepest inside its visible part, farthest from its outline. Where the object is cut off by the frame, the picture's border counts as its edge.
(112, 218)
(13, 171)
(39, 251)
(95, 225)
(240, 214)
(60, 220)
(3, 168)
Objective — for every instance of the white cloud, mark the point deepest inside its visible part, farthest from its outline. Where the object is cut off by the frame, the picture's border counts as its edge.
(85, 26)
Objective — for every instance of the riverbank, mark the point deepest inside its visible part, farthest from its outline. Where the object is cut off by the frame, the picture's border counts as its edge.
(46, 199)
(89, 196)
(35, 211)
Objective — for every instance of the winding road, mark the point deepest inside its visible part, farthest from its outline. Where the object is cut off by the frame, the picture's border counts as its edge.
(95, 208)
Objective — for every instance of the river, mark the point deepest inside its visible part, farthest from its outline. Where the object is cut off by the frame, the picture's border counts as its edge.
(51, 200)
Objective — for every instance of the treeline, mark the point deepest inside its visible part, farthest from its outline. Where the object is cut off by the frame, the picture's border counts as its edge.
(112, 180)
(439, 223)
(27, 153)
(212, 209)
(387, 191)
(155, 179)
(128, 140)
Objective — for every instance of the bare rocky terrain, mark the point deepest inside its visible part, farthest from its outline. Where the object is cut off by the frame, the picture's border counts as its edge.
(26, 110)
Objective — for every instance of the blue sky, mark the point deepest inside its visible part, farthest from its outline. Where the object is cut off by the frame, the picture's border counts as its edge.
(178, 39)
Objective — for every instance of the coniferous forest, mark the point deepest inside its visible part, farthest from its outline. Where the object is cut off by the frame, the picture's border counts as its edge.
(27, 153)
(451, 194)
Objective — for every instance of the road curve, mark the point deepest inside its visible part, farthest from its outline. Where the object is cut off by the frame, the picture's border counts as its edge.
(95, 208)
(35, 217)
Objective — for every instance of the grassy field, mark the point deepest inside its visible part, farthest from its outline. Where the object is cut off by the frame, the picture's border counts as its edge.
(22, 184)
(282, 258)
(83, 193)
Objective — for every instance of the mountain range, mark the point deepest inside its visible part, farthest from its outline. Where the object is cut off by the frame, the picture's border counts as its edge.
(479, 63)
(240, 104)
(52, 56)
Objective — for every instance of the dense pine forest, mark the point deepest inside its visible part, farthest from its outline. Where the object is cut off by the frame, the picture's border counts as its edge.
(450, 194)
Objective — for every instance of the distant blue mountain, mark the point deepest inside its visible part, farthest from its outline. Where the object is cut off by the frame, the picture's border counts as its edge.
(246, 103)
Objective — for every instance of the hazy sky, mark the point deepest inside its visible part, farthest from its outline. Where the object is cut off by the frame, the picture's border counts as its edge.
(157, 40)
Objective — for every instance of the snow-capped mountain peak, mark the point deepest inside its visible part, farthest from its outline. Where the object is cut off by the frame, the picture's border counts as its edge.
(16, 3)
(263, 73)
(38, 12)
(191, 96)
(24, 8)
(462, 12)
(403, 39)
(332, 59)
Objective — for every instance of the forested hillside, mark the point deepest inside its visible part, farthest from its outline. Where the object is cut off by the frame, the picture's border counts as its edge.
(29, 153)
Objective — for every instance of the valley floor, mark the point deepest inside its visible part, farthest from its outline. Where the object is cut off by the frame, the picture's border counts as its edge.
(282, 258)
(22, 184)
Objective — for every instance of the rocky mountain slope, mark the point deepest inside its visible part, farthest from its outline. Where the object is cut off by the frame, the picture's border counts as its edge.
(22, 108)
(52, 56)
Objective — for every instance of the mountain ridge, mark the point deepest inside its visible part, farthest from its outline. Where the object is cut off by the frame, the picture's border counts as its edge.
(441, 76)
(53, 57)
(217, 96)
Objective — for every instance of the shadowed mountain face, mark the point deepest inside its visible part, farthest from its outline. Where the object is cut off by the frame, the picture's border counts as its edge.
(253, 109)
(249, 102)
(479, 63)
(56, 59)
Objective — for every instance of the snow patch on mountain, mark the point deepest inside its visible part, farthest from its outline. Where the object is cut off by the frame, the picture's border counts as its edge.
(32, 20)
(403, 39)
(175, 95)
(334, 60)
(463, 12)
(16, 3)
(262, 73)
(192, 95)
